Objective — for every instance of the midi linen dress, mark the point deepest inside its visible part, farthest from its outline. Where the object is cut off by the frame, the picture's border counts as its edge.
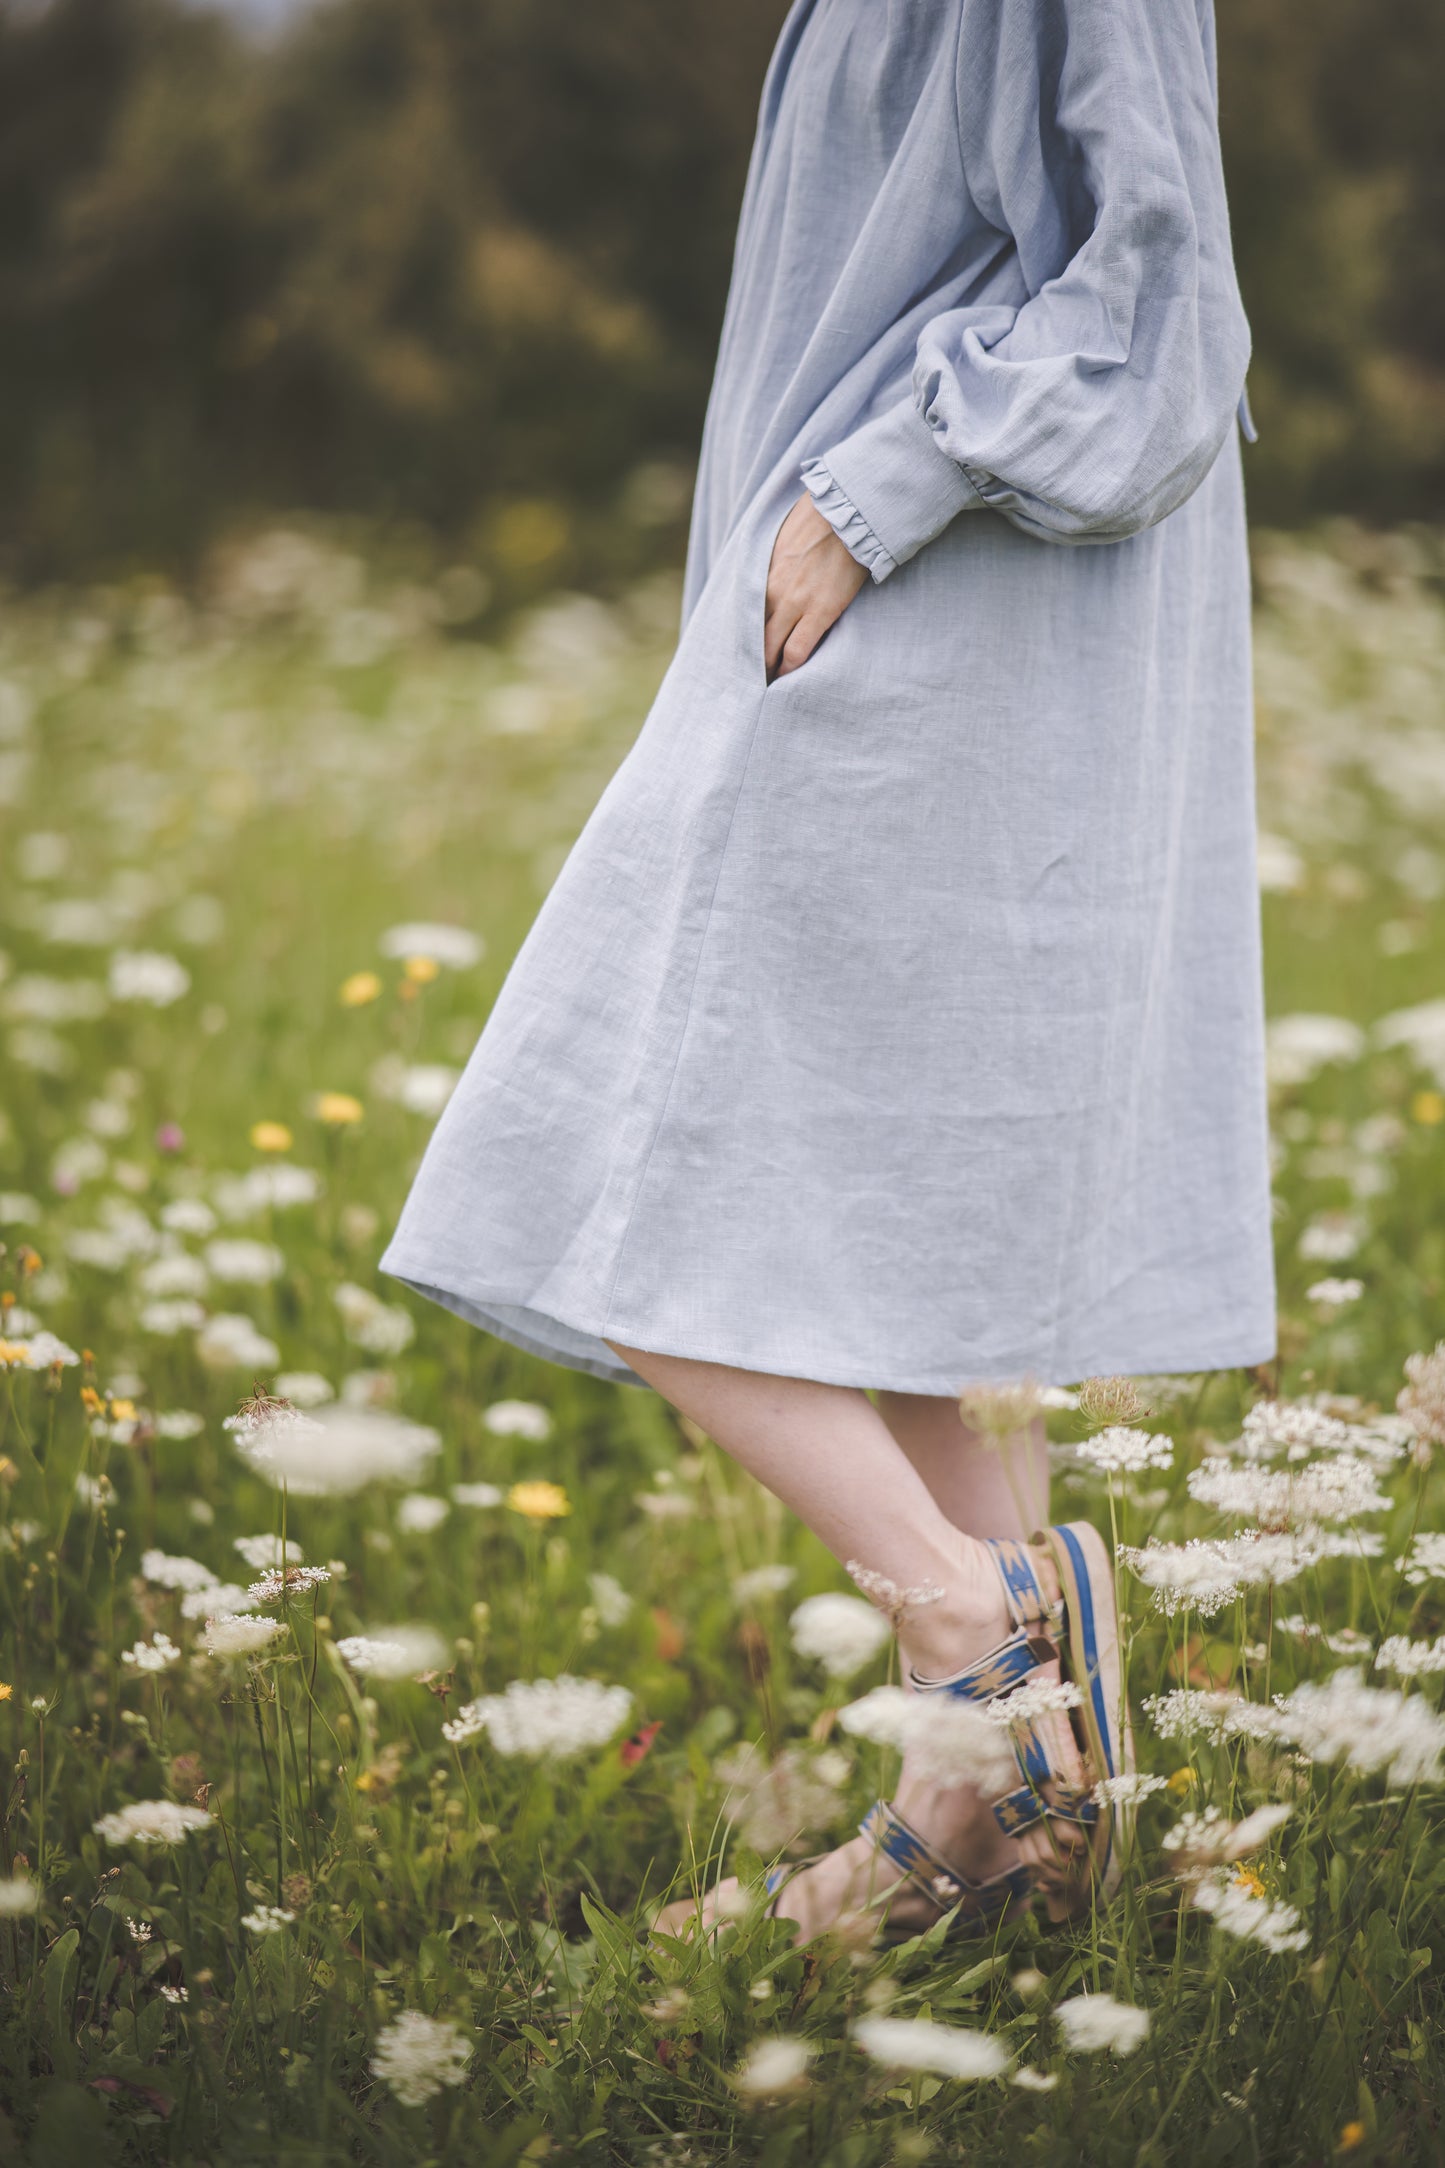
(899, 1023)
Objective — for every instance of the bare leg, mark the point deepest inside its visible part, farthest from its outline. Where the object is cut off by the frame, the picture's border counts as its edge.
(829, 1455)
(988, 1488)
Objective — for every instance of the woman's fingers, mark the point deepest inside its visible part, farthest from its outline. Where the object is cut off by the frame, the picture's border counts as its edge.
(800, 643)
(812, 579)
(782, 619)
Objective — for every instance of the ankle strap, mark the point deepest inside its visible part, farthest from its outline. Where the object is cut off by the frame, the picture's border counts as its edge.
(1023, 1591)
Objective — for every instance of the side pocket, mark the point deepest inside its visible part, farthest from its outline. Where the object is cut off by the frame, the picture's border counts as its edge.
(762, 614)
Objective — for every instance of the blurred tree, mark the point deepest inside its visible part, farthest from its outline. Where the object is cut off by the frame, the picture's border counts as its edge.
(463, 262)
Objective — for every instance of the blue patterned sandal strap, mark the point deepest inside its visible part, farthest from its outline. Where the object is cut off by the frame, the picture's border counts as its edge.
(999, 1672)
(930, 1872)
(1023, 1591)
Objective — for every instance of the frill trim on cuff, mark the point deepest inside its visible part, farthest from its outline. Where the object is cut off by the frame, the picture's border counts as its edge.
(846, 521)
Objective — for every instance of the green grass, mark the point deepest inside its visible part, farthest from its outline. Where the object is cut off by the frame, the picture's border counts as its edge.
(261, 783)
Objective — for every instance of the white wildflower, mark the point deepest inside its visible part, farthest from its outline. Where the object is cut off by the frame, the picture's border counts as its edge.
(1369, 1728)
(94, 1490)
(176, 1272)
(1332, 1237)
(773, 1802)
(304, 1388)
(151, 1821)
(1425, 1561)
(774, 2067)
(1208, 1836)
(1333, 1294)
(1090, 2023)
(1294, 1428)
(1121, 1451)
(147, 975)
(477, 1494)
(179, 1423)
(422, 1087)
(610, 1599)
(1340, 1488)
(17, 1208)
(1189, 1710)
(156, 1655)
(420, 1515)
(188, 1216)
(1421, 1400)
(264, 1553)
(218, 1599)
(231, 1634)
(1297, 1047)
(1412, 1659)
(418, 2056)
(518, 1419)
(842, 1633)
(382, 1328)
(1126, 1790)
(1026, 1704)
(1030, 2080)
(1199, 1576)
(163, 1571)
(760, 1582)
(948, 2051)
(666, 1505)
(179, 1996)
(452, 946)
(230, 1341)
(163, 1320)
(18, 1896)
(337, 1450)
(288, 1581)
(240, 1261)
(267, 1920)
(948, 1741)
(396, 1652)
(39, 1352)
(1237, 1907)
(273, 1187)
(551, 1718)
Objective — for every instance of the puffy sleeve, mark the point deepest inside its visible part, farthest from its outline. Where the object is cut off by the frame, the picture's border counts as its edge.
(1089, 138)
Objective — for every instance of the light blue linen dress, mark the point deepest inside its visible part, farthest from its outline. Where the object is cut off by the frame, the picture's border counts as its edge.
(899, 1023)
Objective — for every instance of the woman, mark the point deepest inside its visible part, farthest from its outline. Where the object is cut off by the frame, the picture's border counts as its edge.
(896, 1021)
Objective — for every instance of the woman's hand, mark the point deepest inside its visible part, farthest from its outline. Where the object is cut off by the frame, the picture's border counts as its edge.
(811, 581)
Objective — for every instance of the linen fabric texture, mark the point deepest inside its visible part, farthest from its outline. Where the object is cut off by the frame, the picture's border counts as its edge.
(899, 1023)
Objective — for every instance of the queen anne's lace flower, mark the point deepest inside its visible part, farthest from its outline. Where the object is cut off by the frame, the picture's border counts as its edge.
(1424, 1561)
(1338, 1489)
(19, 1897)
(774, 2067)
(230, 1635)
(1209, 1837)
(518, 1419)
(1293, 1428)
(267, 1920)
(337, 1450)
(1422, 1399)
(1126, 1790)
(549, 1719)
(1240, 1910)
(842, 1633)
(397, 1652)
(1190, 1710)
(163, 1571)
(151, 1821)
(1121, 1451)
(948, 2051)
(948, 1742)
(1368, 1727)
(417, 2056)
(154, 1655)
(1090, 2023)
(1412, 1659)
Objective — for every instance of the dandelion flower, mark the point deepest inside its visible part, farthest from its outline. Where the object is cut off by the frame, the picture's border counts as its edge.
(151, 1821)
(539, 1500)
(361, 987)
(772, 2068)
(1091, 2023)
(417, 2057)
(948, 2051)
(550, 1719)
(518, 1419)
(842, 1633)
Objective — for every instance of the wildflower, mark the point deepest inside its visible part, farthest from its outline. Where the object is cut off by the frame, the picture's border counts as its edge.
(41, 1351)
(263, 1553)
(477, 1494)
(156, 1655)
(188, 1216)
(94, 1490)
(1425, 1560)
(147, 975)
(1422, 1399)
(165, 1319)
(551, 1719)
(382, 1328)
(1119, 1451)
(151, 1821)
(665, 1505)
(773, 1802)
(1332, 1237)
(218, 1599)
(1090, 2023)
(449, 945)
(1219, 1715)
(948, 2051)
(230, 1635)
(140, 1931)
(420, 1515)
(419, 2056)
(949, 1742)
(179, 1996)
(1201, 1576)
(240, 1261)
(1208, 1837)
(304, 1388)
(1294, 1428)
(230, 1341)
(1338, 1489)
(163, 1571)
(1352, 2137)
(842, 1633)
(1026, 1704)
(610, 1599)
(1297, 1047)
(267, 1920)
(1241, 1909)
(19, 1897)
(398, 1652)
(359, 988)
(1000, 1411)
(1412, 1659)
(1428, 1108)
(894, 1602)
(1334, 1294)
(339, 1110)
(763, 1581)
(175, 1273)
(422, 970)
(518, 1419)
(1369, 1728)
(1126, 1790)
(275, 1187)
(1030, 2080)
(772, 2068)
(337, 1450)
(288, 1581)
(1110, 1400)
(539, 1501)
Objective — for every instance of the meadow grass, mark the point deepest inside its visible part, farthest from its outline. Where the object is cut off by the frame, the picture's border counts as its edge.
(215, 812)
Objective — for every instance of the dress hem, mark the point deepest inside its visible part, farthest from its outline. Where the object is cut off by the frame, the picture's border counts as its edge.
(1240, 1352)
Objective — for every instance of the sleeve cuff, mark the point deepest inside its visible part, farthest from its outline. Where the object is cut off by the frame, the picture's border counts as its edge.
(888, 489)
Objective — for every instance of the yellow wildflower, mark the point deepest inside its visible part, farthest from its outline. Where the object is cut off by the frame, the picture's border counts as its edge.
(271, 1137)
(11, 1354)
(1352, 2136)
(1182, 1781)
(361, 987)
(8, 1299)
(1429, 1108)
(122, 1411)
(28, 1260)
(91, 1400)
(421, 970)
(539, 1500)
(1246, 1879)
(337, 1108)
(5, 1691)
